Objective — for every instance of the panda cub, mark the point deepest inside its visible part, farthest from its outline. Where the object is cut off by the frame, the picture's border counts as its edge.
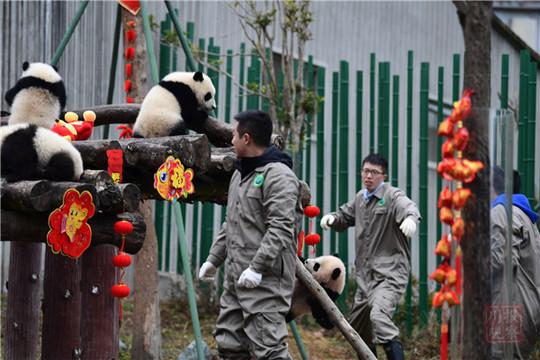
(329, 271)
(28, 149)
(180, 99)
(38, 97)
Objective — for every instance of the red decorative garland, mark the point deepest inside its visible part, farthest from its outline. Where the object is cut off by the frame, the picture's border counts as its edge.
(453, 168)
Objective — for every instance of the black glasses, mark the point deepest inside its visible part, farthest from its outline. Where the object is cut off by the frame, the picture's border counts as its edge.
(371, 171)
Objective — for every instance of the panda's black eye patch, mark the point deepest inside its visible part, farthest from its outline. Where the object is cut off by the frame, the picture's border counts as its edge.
(207, 97)
(316, 266)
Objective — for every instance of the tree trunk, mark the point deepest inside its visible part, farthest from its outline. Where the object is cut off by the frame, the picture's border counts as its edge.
(475, 19)
(146, 341)
(21, 324)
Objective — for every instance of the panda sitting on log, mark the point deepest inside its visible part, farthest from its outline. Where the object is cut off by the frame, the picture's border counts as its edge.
(29, 150)
(180, 99)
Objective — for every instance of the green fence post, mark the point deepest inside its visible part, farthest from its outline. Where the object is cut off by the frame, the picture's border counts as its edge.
(523, 112)
(321, 73)
(228, 86)
(440, 117)
(344, 165)
(241, 77)
(308, 79)
(335, 123)
(149, 44)
(301, 348)
(359, 109)
(504, 82)
(423, 191)
(372, 102)
(395, 129)
(408, 297)
(531, 132)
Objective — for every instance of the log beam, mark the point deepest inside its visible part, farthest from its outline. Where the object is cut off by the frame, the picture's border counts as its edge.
(21, 227)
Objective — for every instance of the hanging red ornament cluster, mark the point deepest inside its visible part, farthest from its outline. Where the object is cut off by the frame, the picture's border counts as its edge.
(126, 131)
(455, 170)
(121, 260)
(312, 238)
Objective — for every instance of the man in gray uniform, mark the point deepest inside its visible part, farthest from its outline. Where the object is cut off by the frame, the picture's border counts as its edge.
(384, 218)
(257, 243)
(525, 262)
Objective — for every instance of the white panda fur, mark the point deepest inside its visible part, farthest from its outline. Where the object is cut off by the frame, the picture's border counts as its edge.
(180, 99)
(30, 152)
(38, 97)
(329, 272)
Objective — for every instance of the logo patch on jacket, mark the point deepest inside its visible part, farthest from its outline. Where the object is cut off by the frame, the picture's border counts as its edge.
(258, 181)
(381, 202)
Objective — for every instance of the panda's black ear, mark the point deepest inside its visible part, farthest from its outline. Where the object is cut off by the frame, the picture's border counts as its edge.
(336, 255)
(25, 65)
(198, 76)
(55, 68)
(336, 273)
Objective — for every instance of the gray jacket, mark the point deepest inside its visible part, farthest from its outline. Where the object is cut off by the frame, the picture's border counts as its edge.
(381, 247)
(261, 224)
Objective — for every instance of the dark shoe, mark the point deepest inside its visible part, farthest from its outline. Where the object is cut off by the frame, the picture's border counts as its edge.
(394, 350)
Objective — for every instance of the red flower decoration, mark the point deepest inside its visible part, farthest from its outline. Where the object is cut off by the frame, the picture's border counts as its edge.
(69, 232)
(129, 70)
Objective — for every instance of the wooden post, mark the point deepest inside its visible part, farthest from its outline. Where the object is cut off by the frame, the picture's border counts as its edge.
(475, 19)
(61, 308)
(22, 315)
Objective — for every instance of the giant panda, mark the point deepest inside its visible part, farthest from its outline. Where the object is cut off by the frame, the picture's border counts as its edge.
(38, 97)
(180, 99)
(28, 149)
(30, 152)
(329, 272)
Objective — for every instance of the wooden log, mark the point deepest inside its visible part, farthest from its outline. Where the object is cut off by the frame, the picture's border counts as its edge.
(61, 308)
(362, 350)
(23, 228)
(113, 197)
(222, 162)
(25, 195)
(23, 301)
(99, 310)
(219, 132)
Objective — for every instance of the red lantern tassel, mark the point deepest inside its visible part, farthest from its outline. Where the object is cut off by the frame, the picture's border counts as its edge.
(444, 342)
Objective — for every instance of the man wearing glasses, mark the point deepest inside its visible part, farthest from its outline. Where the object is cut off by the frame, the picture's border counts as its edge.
(384, 219)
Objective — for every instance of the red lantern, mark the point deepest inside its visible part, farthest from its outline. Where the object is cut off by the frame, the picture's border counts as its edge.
(130, 35)
(129, 70)
(461, 138)
(129, 100)
(123, 227)
(445, 198)
(127, 85)
(312, 211)
(121, 260)
(312, 239)
(130, 53)
(120, 290)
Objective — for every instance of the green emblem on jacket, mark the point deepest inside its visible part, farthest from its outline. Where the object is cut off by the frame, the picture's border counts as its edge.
(381, 202)
(258, 181)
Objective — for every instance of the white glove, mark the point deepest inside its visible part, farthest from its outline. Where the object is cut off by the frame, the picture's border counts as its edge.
(408, 227)
(207, 271)
(249, 279)
(327, 221)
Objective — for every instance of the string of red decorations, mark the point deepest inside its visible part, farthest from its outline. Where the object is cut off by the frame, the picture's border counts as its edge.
(121, 260)
(312, 238)
(126, 131)
(455, 170)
